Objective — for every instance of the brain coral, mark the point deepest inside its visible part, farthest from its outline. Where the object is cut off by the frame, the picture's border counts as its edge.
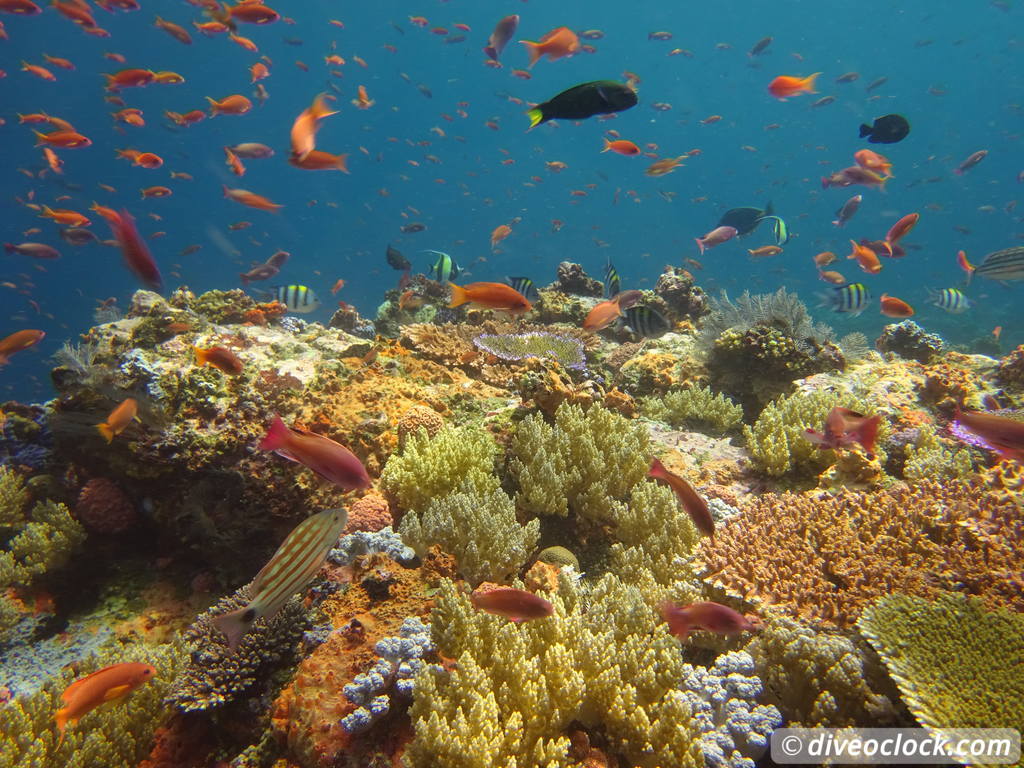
(370, 513)
(827, 558)
(957, 664)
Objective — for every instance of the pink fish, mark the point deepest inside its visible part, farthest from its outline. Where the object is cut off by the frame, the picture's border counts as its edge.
(844, 427)
(716, 236)
(713, 617)
(503, 32)
(514, 604)
(972, 160)
(330, 460)
(849, 208)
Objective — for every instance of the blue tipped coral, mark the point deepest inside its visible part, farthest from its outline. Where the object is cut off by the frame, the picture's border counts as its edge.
(361, 543)
(566, 351)
(401, 658)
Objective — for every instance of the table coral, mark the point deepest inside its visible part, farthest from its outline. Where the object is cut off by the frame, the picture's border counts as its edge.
(215, 674)
(821, 678)
(582, 463)
(826, 558)
(957, 663)
(479, 528)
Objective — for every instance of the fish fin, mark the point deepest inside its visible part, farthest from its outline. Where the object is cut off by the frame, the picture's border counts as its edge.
(105, 430)
(536, 116)
(533, 50)
(213, 106)
(769, 209)
(491, 51)
(865, 130)
(868, 432)
(202, 355)
(459, 295)
(816, 438)
(807, 84)
(607, 145)
(277, 436)
(700, 244)
(235, 624)
(116, 692)
(657, 470)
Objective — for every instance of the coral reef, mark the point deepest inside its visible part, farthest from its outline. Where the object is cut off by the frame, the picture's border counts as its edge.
(571, 278)
(384, 541)
(479, 528)
(1011, 369)
(370, 513)
(583, 463)
(567, 351)
(104, 508)
(930, 457)
(826, 558)
(909, 340)
(215, 674)
(547, 385)
(954, 660)
(682, 297)
(821, 678)
(694, 407)
(416, 418)
(117, 736)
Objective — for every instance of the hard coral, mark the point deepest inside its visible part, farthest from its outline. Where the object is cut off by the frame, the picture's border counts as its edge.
(416, 418)
(683, 299)
(909, 340)
(1011, 369)
(104, 508)
(826, 558)
(573, 279)
(956, 662)
(370, 513)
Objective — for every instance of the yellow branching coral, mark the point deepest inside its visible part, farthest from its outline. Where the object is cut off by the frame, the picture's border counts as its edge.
(481, 530)
(956, 663)
(13, 498)
(431, 467)
(929, 457)
(45, 543)
(818, 678)
(116, 736)
(583, 463)
(694, 406)
(517, 687)
(776, 441)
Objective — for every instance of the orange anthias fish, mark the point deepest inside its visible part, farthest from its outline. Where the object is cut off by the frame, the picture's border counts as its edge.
(137, 256)
(665, 165)
(129, 78)
(873, 161)
(18, 341)
(143, 159)
(177, 32)
(688, 498)
(231, 161)
(315, 160)
(556, 44)
(119, 419)
(866, 257)
(996, 433)
(303, 135)
(362, 101)
(236, 104)
(62, 139)
(514, 604)
(253, 13)
(893, 307)
(64, 217)
(785, 86)
(500, 233)
(900, 229)
(621, 147)
(490, 296)
(332, 461)
(222, 359)
(712, 617)
(102, 686)
(844, 427)
(607, 312)
(251, 199)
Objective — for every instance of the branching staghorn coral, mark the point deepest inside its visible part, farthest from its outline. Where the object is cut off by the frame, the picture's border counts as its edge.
(826, 558)
(567, 351)
(516, 688)
(432, 467)
(584, 463)
(115, 736)
(695, 406)
(956, 663)
(480, 529)
(776, 441)
(820, 678)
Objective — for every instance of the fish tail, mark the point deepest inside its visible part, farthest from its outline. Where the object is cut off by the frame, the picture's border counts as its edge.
(61, 719)
(807, 84)
(868, 433)
(233, 625)
(107, 432)
(277, 436)
(9, 247)
(607, 144)
(202, 355)
(533, 50)
(459, 295)
(491, 52)
(213, 106)
(700, 244)
(865, 130)
(536, 116)
(657, 470)
(342, 163)
(243, 278)
(40, 136)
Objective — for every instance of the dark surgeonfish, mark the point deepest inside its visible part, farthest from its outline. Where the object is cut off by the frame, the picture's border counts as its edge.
(745, 220)
(887, 129)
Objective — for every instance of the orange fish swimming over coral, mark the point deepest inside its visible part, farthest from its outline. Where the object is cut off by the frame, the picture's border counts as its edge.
(102, 686)
(489, 296)
(514, 604)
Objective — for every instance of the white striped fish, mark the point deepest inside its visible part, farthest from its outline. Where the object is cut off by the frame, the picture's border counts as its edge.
(296, 562)
(298, 298)
(950, 299)
(1007, 264)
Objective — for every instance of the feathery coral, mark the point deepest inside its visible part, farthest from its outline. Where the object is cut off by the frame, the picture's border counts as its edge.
(694, 406)
(957, 664)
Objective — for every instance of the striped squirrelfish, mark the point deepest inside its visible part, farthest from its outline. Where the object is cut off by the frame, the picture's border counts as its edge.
(102, 686)
(294, 563)
(332, 461)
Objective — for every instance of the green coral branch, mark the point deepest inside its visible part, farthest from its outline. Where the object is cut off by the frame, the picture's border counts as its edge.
(695, 406)
(929, 457)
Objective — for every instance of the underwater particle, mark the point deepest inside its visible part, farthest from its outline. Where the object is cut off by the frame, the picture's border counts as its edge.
(568, 352)
(104, 508)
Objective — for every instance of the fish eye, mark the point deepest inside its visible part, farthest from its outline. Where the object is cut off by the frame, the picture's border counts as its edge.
(249, 616)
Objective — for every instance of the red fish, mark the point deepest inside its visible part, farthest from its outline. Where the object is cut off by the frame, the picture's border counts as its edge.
(490, 296)
(556, 44)
(220, 358)
(253, 13)
(137, 256)
(251, 199)
(844, 427)
(900, 229)
(235, 104)
(997, 433)
(866, 257)
(972, 160)
(18, 341)
(689, 499)
(330, 460)
(303, 134)
(716, 236)
(35, 250)
(315, 160)
(785, 86)
(893, 307)
(621, 146)
(119, 419)
(712, 617)
(514, 604)
(21, 7)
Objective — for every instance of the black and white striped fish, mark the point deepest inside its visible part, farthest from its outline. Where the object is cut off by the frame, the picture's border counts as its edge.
(298, 298)
(646, 321)
(525, 286)
(296, 562)
(950, 299)
(1004, 265)
(852, 298)
(612, 282)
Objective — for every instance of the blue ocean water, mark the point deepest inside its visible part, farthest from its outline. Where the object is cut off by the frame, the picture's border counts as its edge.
(954, 71)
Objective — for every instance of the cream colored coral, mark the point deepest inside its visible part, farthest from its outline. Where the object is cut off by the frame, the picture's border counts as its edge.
(929, 457)
(432, 467)
(481, 530)
(694, 406)
(13, 497)
(115, 736)
(583, 463)
(517, 687)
